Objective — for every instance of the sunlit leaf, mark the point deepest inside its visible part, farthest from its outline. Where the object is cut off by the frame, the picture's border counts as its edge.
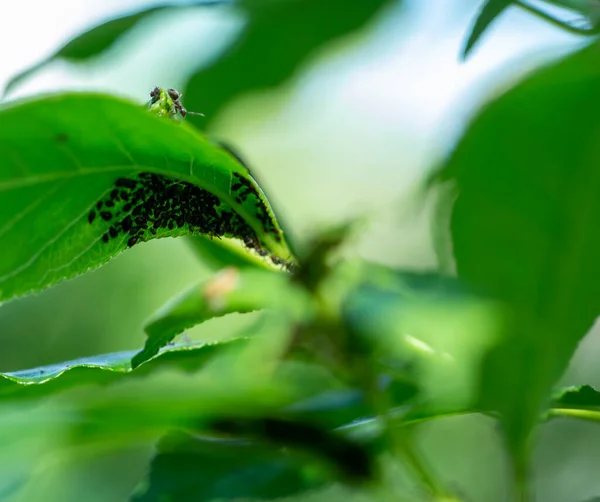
(104, 175)
(524, 230)
(103, 369)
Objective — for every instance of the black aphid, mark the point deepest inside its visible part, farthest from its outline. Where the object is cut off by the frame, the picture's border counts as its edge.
(148, 203)
(91, 216)
(125, 183)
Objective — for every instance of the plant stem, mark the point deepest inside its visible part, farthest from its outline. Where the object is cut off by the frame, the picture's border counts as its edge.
(398, 438)
(591, 415)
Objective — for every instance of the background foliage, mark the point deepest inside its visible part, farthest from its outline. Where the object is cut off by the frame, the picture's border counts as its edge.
(312, 367)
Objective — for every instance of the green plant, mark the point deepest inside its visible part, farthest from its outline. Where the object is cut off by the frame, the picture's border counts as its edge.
(325, 393)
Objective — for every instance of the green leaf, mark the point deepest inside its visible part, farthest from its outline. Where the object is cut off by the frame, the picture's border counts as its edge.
(193, 469)
(83, 177)
(231, 290)
(100, 38)
(273, 45)
(525, 230)
(426, 322)
(103, 369)
(220, 253)
(581, 402)
(582, 396)
(489, 12)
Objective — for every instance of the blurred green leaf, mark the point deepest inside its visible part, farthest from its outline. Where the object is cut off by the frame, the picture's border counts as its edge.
(490, 10)
(100, 38)
(103, 369)
(583, 396)
(231, 290)
(193, 469)
(524, 230)
(72, 164)
(582, 402)
(278, 38)
(426, 323)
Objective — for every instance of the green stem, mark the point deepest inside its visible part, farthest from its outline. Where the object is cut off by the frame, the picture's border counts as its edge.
(591, 415)
(398, 438)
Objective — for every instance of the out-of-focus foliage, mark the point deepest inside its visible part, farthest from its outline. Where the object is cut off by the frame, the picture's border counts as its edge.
(523, 230)
(328, 391)
(491, 10)
(103, 369)
(587, 23)
(100, 38)
(277, 39)
(231, 290)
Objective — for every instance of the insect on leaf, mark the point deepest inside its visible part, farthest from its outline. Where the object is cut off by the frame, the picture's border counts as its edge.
(105, 175)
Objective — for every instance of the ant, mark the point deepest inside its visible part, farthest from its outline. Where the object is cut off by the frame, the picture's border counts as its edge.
(176, 98)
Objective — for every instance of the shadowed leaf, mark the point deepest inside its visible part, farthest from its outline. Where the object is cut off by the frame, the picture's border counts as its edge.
(524, 230)
(489, 12)
(193, 469)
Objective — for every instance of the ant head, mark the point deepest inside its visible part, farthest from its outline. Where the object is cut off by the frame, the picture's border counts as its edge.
(155, 93)
(173, 94)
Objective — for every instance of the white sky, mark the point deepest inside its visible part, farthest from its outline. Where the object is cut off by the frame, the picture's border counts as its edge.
(398, 70)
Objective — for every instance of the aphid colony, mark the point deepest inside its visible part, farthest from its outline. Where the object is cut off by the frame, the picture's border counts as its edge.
(140, 206)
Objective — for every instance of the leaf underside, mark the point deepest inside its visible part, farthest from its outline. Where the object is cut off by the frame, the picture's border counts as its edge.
(103, 369)
(104, 175)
